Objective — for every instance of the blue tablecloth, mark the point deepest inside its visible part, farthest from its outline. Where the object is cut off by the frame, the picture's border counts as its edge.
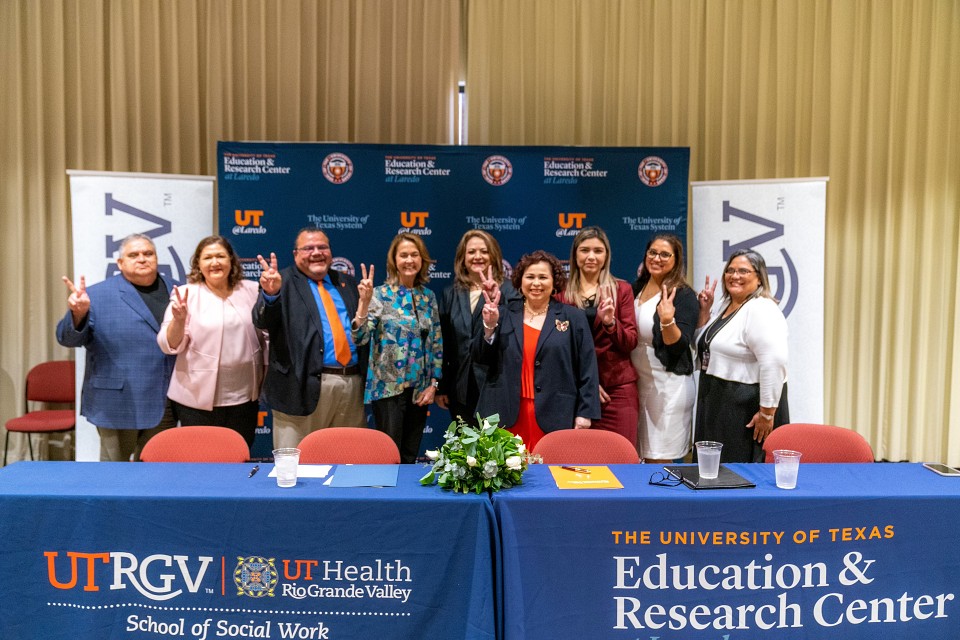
(114, 550)
(856, 551)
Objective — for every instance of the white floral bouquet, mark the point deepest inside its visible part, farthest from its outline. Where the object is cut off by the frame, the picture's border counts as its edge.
(477, 459)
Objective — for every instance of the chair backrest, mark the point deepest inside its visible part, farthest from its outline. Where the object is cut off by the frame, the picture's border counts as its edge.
(819, 443)
(196, 444)
(348, 445)
(586, 446)
(53, 381)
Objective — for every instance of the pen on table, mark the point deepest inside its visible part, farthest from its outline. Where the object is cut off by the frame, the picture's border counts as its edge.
(253, 471)
(576, 469)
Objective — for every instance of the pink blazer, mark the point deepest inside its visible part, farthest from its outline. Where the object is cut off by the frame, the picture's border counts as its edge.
(194, 377)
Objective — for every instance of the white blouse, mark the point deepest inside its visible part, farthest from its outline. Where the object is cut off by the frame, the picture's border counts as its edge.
(752, 348)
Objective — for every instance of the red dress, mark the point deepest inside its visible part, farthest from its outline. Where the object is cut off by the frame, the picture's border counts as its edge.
(526, 425)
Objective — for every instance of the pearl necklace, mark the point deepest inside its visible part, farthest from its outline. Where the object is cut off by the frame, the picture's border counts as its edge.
(534, 314)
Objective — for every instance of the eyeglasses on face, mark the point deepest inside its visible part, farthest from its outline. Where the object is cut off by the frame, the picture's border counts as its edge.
(663, 255)
(661, 479)
(739, 272)
(310, 248)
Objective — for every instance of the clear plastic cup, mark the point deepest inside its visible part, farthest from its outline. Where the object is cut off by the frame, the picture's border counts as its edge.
(786, 466)
(286, 461)
(708, 458)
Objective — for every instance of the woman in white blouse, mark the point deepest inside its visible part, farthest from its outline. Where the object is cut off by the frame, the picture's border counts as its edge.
(220, 354)
(742, 351)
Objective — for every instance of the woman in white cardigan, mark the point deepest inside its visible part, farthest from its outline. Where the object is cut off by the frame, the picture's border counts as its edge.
(220, 354)
(742, 350)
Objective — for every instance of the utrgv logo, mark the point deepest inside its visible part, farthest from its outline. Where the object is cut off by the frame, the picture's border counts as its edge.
(786, 277)
(128, 569)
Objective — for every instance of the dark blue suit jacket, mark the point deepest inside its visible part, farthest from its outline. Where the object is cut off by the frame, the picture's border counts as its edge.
(292, 384)
(565, 368)
(126, 378)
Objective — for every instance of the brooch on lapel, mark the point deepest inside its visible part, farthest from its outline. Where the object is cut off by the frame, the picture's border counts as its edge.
(562, 326)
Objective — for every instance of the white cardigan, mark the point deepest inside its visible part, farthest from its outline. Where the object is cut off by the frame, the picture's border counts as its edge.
(752, 348)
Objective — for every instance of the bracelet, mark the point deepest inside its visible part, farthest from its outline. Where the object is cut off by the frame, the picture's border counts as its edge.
(611, 325)
(766, 416)
(488, 328)
(669, 324)
(360, 319)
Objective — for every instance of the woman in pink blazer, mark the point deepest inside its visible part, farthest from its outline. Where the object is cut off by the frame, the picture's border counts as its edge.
(220, 354)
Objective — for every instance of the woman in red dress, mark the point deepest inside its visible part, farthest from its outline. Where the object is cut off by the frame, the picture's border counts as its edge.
(542, 367)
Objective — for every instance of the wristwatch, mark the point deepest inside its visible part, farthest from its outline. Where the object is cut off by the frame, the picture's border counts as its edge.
(436, 384)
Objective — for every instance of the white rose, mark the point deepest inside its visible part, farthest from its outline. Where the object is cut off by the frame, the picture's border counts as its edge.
(432, 455)
(471, 461)
(521, 448)
(513, 462)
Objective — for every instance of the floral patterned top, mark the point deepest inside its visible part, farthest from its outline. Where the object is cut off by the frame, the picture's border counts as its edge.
(406, 345)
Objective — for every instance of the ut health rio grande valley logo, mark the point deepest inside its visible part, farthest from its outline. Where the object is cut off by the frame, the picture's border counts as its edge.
(497, 170)
(652, 171)
(255, 576)
(337, 168)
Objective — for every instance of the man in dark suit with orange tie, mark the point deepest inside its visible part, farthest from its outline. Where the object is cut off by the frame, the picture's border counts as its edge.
(316, 374)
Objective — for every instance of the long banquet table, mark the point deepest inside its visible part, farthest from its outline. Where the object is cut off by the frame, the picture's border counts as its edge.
(855, 551)
(120, 550)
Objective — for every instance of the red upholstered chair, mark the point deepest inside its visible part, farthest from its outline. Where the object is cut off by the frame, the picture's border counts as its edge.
(819, 443)
(196, 444)
(586, 446)
(52, 382)
(348, 445)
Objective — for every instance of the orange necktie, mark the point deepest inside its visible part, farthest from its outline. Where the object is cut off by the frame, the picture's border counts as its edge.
(340, 345)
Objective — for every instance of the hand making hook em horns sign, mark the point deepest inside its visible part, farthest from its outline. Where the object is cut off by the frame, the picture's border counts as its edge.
(270, 278)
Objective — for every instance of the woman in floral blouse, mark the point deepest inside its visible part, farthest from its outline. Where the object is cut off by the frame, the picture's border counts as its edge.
(401, 322)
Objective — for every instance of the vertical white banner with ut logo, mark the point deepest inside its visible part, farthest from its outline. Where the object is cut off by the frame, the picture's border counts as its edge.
(784, 221)
(174, 211)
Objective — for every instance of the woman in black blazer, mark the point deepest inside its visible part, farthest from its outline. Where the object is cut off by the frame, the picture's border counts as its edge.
(478, 260)
(542, 367)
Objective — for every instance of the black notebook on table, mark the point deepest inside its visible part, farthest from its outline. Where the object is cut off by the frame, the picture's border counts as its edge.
(726, 479)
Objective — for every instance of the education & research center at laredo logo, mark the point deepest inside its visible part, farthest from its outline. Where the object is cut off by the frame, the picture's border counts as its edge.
(252, 166)
(570, 170)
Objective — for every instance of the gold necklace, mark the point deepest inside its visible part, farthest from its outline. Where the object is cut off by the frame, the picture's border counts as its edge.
(534, 314)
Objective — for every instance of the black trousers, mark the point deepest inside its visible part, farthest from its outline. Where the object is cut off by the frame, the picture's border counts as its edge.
(242, 418)
(402, 420)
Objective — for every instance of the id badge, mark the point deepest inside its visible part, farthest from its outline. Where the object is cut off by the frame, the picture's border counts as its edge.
(704, 360)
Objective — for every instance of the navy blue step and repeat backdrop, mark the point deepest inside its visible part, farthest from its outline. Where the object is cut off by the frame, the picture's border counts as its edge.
(363, 195)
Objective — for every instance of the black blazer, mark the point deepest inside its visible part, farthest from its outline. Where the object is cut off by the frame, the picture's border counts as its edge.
(565, 378)
(677, 358)
(461, 327)
(292, 383)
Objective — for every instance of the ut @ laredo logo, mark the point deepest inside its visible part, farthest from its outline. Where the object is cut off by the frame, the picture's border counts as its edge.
(337, 168)
(497, 170)
(255, 576)
(652, 171)
(248, 222)
(415, 222)
(570, 223)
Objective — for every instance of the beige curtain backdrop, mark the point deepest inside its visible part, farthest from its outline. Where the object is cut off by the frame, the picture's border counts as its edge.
(864, 91)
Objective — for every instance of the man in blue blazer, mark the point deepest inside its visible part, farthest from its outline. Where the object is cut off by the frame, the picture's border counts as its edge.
(126, 378)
